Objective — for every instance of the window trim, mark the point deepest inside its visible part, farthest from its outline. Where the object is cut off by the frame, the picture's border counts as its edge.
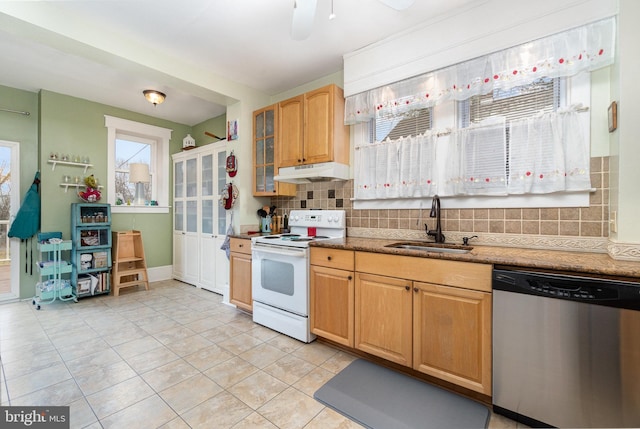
(162, 136)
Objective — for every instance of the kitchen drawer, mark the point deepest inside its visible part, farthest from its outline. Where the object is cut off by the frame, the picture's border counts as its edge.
(240, 245)
(468, 275)
(332, 258)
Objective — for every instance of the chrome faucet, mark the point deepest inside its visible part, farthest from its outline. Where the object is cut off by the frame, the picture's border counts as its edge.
(435, 212)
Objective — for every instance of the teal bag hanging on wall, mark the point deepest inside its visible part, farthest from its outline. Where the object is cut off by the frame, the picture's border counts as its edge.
(27, 221)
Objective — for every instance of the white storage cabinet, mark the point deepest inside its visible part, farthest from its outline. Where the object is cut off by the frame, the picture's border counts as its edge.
(199, 221)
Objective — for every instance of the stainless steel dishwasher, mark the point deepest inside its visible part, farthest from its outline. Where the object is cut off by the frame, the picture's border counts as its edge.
(566, 349)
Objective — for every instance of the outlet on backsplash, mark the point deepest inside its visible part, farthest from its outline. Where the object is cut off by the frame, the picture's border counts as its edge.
(613, 221)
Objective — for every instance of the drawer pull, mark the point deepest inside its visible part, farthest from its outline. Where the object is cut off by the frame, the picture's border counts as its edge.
(328, 258)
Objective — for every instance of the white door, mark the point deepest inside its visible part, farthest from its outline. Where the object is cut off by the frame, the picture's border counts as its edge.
(185, 220)
(9, 205)
(191, 260)
(178, 220)
(222, 222)
(214, 267)
(207, 217)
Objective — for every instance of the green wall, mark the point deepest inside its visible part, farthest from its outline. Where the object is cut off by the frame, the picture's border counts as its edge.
(75, 126)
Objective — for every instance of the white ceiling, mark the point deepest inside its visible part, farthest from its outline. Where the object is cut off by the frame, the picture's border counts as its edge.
(202, 53)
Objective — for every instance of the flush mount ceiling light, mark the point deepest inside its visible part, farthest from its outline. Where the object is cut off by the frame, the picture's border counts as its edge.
(153, 96)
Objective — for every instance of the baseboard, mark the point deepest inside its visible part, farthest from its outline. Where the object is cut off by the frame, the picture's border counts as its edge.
(157, 274)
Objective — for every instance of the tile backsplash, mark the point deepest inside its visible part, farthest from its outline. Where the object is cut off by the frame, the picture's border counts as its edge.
(584, 222)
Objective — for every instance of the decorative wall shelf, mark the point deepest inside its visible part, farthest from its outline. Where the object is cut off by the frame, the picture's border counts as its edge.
(55, 162)
(66, 186)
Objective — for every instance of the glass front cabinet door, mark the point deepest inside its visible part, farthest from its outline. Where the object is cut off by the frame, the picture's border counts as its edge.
(265, 140)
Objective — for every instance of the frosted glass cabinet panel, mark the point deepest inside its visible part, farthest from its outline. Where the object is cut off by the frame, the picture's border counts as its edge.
(207, 217)
(192, 216)
(192, 178)
(207, 176)
(178, 186)
(178, 215)
(200, 222)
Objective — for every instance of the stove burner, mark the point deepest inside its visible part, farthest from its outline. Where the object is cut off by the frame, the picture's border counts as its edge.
(271, 237)
(289, 235)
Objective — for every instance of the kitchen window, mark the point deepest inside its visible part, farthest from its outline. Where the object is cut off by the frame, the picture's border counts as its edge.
(132, 149)
(509, 129)
(129, 142)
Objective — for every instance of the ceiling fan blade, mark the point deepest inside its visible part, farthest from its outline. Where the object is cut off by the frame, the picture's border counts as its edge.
(304, 11)
(398, 4)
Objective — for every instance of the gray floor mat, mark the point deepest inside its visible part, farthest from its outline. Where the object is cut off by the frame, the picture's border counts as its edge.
(380, 398)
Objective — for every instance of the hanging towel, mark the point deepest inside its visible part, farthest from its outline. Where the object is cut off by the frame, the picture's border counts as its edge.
(27, 221)
(226, 244)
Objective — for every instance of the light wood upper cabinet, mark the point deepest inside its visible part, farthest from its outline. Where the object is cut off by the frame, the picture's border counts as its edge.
(265, 143)
(452, 335)
(312, 128)
(291, 124)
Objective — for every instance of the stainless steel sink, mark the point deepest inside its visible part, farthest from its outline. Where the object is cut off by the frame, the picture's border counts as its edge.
(432, 247)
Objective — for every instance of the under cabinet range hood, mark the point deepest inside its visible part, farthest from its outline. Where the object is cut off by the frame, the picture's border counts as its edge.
(324, 171)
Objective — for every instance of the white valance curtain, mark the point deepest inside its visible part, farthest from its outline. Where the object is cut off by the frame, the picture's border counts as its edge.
(545, 154)
(564, 54)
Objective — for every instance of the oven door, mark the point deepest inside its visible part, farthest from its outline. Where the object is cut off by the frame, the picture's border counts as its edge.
(279, 277)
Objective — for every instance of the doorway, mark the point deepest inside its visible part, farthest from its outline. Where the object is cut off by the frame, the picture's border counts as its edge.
(9, 205)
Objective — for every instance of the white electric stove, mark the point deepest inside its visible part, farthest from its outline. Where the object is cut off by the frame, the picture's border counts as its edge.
(280, 270)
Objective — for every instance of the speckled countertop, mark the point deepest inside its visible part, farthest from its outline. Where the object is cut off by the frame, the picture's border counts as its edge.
(576, 262)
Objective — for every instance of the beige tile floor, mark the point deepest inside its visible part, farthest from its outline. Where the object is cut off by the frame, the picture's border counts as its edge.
(171, 357)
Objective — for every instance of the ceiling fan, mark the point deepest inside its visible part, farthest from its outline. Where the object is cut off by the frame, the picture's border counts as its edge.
(304, 12)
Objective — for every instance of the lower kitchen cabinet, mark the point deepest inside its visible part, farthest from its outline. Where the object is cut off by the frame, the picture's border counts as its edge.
(428, 314)
(331, 296)
(240, 274)
(383, 317)
(452, 335)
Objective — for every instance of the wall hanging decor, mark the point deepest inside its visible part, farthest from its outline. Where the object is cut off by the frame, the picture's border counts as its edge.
(228, 196)
(91, 194)
(232, 168)
(232, 130)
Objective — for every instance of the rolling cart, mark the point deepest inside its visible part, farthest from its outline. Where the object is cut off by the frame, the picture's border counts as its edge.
(51, 266)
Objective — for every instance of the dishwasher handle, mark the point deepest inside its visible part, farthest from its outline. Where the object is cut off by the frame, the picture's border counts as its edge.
(592, 290)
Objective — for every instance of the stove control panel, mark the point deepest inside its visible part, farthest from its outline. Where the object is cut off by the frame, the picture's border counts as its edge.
(318, 218)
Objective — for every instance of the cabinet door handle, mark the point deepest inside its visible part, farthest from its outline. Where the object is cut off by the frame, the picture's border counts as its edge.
(415, 289)
(299, 160)
(349, 278)
(407, 287)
